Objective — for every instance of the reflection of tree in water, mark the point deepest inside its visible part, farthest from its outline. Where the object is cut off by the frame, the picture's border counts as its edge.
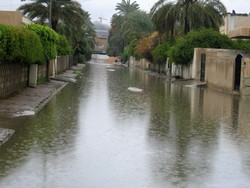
(159, 109)
(50, 131)
(187, 139)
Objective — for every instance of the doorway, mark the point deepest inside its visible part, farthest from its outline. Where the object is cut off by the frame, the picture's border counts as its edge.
(203, 67)
(237, 72)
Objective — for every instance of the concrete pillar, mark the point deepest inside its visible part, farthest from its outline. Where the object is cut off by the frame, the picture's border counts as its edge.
(33, 75)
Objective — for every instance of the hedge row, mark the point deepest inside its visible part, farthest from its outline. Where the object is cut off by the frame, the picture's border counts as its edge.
(31, 44)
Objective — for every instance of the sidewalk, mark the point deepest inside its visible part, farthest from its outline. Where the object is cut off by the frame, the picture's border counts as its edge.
(30, 100)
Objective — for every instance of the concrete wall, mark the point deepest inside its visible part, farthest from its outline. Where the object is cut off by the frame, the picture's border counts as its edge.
(142, 63)
(220, 67)
(13, 76)
(62, 64)
(41, 71)
(14, 18)
(246, 77)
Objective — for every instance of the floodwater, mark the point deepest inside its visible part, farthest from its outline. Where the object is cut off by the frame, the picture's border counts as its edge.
(98, 134)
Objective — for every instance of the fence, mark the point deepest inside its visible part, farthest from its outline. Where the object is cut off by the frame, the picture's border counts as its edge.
(15, 76)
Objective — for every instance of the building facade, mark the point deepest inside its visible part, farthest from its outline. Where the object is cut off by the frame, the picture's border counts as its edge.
(236, 25)
(14, 18)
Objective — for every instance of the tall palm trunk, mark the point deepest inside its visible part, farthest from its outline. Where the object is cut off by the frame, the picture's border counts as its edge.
(186, 22)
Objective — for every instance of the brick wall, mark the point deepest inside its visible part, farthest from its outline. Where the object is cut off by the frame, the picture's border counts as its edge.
(13, 76)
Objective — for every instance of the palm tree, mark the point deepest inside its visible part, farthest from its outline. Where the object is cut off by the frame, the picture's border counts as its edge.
(136, 24)
(164, 25)
(115, 40)
(67, 11)
(126, 7)
(67, 18)
(189, 14)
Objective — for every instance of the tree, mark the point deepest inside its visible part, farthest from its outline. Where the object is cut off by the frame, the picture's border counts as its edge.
(146, 45)
(126, 7)
(136, 24)
(115, 40)
(66, 11)
(67, 18)
(129, 22)
(188, 14)
(183, 50)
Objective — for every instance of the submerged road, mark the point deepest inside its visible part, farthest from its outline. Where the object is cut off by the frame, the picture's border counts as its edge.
(97, 133)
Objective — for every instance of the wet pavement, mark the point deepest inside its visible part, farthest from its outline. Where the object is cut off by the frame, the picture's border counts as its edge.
(97, 133)
(29, 101)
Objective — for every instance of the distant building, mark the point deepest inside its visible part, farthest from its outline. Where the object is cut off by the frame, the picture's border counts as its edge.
(101, 40)
(14, 18)
(236, 25)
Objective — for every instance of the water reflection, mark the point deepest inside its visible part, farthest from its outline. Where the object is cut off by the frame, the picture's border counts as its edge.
(49, 133)
(97, 133)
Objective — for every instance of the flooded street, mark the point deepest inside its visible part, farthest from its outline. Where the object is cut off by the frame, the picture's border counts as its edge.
(98, 134)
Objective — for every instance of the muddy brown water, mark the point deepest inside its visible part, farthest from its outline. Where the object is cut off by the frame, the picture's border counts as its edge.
(98, 134)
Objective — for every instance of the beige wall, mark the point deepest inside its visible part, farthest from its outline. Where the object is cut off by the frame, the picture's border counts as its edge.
(142, 63)
(237, 25)
(11, 18)
(220, 67)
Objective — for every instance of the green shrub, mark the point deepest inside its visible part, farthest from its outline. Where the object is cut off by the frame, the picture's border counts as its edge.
(49, 39)
(63, 46)
(242, 44)
(42, 80)
(160, 53)
(182, 51)
(20, 45)
(131, 48)
(5, 39)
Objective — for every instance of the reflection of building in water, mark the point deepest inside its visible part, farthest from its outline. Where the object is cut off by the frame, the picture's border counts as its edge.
(229, 112)
(101, 41)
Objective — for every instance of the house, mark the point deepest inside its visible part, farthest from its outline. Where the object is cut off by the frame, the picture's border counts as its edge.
(14, 18)
(101, 40)
(236, 25)
(222, 69)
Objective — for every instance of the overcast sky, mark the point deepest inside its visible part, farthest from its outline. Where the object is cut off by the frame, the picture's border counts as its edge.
(106, 8)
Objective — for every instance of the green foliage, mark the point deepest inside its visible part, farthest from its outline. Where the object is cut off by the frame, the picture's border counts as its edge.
(20, 45)
(77, 74)
(242, 44)
(146, 45)
(42, 80)
(124, 56)
(5, 40)
(63, 46)
(131, 48)
(83, 51)
(49, 39)
(182, 51)
(160, 53)
(180, 17)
